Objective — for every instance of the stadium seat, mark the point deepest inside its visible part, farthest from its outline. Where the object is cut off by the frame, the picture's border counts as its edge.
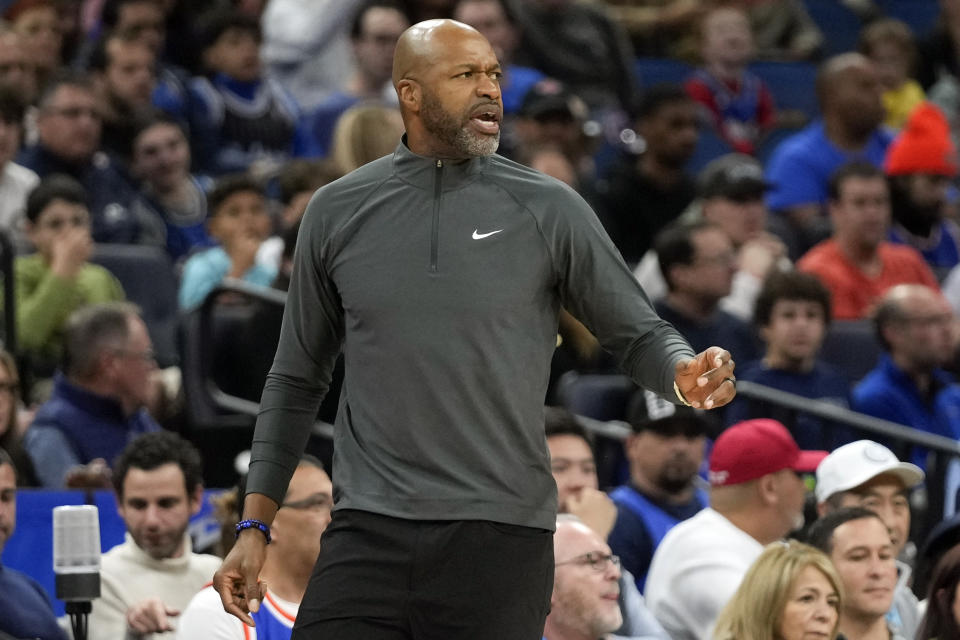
(920, 15)
(709, 146)
(851, 346)
(840, 25)
(791, 83)
(651, 71)
(148, 279)
(597, 396)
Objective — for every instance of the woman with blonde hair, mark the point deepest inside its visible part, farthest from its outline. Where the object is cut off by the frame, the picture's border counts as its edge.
(790, 592)
(364, 133)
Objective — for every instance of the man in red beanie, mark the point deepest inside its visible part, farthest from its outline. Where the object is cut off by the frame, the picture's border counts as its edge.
(920, 164)
(756, 497)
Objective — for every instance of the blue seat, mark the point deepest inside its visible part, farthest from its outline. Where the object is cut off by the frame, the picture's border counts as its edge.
(792, 84)
(920, 15)
(597, 396)
(852, 347)
(840, 25)
(651, 71)
(709, 146)
(148, 280)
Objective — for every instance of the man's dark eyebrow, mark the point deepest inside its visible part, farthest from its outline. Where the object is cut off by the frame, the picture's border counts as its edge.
(467, 65)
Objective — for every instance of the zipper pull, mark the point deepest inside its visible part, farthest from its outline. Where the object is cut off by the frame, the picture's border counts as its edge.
(439, 164)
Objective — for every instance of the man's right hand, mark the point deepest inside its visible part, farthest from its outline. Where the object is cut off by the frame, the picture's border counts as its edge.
(595, 508)
(71, 250)
(237, 579)
(150, 616)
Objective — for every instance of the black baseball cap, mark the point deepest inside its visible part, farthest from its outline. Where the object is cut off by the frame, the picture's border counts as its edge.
(550, 98)
(647, 411)
(734, 175)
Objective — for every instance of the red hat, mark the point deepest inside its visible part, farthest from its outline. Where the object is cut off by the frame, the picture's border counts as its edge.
(754, 448)
(924, 145)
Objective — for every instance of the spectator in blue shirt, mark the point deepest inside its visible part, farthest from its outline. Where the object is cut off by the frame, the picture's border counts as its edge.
(908, 385)
(792, 315)
(665, 453)
(176, 198)
(98, 401)
(238, 220)
(239, 118)
(849, 93)
(25, 609)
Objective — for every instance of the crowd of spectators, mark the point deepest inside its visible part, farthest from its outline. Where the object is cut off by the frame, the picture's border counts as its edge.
(201, 128)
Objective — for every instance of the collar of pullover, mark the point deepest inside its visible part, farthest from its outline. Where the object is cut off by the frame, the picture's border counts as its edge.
(423, 171)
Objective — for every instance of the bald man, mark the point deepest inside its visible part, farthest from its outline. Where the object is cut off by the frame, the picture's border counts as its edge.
(849, 93)
(916, 328)
(440, 271)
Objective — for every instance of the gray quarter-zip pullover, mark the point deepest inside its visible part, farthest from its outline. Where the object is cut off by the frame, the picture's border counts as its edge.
(442, 281)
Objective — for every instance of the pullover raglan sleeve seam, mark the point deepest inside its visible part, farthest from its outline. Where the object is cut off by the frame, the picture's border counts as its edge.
(300, 376)
(661, 346)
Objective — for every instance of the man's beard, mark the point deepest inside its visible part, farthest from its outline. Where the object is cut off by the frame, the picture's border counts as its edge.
(455, 135)
(676, 476)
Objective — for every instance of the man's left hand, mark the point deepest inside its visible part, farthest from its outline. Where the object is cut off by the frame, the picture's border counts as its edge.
(707, 381)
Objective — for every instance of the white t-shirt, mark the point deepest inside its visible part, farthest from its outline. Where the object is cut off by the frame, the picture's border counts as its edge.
(695, 571)
(205, 619)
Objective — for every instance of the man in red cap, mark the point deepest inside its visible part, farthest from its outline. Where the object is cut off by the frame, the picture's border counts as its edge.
(756, 497)
(920, 164)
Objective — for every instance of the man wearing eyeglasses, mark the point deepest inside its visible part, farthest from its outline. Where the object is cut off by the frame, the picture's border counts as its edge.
(98, 401)
(69, 134)
(295, 543)
(586, 585)
(148, 579)
(908, 385)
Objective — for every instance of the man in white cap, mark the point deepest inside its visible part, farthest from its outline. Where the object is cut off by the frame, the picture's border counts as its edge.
(867, 474)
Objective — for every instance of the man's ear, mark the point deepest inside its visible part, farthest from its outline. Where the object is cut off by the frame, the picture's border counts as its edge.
(767, 487)
(196, 500)
(409, 94)
(632, 441)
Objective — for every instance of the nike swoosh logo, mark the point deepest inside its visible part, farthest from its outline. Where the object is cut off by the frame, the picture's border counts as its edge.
(480, 236)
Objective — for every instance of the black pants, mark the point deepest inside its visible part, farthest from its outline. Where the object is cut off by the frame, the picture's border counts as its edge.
(383, 578)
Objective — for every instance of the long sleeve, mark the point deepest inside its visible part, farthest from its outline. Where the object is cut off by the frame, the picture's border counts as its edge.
(310, 338)
(45, 301)
(597, 287)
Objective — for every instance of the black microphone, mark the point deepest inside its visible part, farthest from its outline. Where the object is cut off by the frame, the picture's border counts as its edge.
(76, 562)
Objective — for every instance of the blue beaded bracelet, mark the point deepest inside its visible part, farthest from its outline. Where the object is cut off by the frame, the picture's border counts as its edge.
(254, 524)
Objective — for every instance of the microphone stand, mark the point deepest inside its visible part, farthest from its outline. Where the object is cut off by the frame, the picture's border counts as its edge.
(78, 610)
